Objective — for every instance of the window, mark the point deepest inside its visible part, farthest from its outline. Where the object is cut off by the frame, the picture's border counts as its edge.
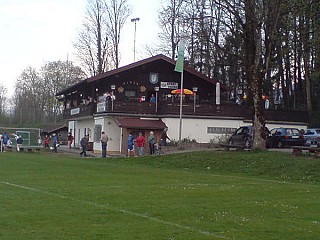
(220, 130)
(129, 95)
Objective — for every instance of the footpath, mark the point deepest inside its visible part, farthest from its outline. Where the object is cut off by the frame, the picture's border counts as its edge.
(167, 150)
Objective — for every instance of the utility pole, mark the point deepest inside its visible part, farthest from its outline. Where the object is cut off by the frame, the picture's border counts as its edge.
(134, 20)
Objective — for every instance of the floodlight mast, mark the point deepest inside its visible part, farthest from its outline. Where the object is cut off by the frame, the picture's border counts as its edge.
(134, 20)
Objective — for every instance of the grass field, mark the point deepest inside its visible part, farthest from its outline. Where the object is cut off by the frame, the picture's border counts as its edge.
(200, 195)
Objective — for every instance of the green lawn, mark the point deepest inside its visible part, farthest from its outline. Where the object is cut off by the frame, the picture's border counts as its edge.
(200, 195)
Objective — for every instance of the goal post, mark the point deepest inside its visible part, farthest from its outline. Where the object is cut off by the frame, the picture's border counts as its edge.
(30, 136)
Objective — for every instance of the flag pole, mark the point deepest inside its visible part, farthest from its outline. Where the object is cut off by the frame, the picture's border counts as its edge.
(179, 68)
(180, 116)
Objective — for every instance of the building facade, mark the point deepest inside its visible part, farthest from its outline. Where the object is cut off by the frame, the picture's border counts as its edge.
(144, 96)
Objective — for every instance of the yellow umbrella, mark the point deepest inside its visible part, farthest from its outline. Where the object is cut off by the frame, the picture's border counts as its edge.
(185, 91)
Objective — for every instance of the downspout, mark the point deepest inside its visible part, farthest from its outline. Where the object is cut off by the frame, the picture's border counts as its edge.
(121, 138)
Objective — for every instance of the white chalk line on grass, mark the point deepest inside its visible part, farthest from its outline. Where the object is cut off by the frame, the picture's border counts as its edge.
(188, 228)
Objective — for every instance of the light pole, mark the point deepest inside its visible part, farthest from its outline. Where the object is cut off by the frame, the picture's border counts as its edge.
(156, 89)
(134, 20)
(195, 90)
(113, 87)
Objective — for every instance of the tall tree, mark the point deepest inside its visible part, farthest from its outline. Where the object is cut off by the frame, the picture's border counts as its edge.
(170, 20)
(92, 45)
(34, 99)
(27, 93)
(97, 45)
(3, 92)
(252, 45)
(57, 76)
(118, 12)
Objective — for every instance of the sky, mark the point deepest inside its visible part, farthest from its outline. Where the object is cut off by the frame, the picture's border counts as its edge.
(34, 32)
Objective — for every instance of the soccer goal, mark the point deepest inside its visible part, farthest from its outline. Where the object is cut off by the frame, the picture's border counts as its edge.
(30, 136)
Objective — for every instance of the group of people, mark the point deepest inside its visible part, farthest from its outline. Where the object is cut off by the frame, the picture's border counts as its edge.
(6, 142)
(140, 142)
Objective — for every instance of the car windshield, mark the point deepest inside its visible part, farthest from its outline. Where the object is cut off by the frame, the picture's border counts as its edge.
(295, 131)
(309, 132)
(276, 131)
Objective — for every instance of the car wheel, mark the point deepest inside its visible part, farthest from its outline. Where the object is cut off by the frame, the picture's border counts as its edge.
(280, 144)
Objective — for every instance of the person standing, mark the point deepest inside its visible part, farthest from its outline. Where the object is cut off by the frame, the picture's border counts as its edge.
(152, 98)
(104, 141)
(1, 143)
(55, 142)
(5, 139)
(140, 143)
(131, 141)
(46, 141)
(19, 141)
(84, 145)
(39, 142)
(164, 137)
(151, 141)
(70, 140)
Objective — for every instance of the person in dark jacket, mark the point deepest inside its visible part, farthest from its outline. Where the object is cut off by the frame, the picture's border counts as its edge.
(164, 137)
(84, 145)
(55, 142)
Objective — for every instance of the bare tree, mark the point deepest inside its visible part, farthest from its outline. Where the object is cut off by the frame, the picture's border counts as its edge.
(27, 91)
(57, 76)
(92, 42)
(171, 21)
(118, 12)
(97, 44)
(34, 99)
(3, 92)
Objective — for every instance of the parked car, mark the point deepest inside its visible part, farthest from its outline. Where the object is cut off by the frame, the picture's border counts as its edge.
(281, 137)
(312, 137)
(243, 137)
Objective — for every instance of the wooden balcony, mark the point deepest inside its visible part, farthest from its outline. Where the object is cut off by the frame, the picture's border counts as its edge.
(79, 111)
(164, 109)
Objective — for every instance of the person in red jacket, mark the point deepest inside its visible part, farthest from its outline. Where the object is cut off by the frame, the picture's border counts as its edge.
(140, 143)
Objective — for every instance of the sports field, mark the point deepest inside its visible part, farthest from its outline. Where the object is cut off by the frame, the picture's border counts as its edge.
(200, 195)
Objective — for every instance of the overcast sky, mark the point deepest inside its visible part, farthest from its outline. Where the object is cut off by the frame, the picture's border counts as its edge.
(37, 31)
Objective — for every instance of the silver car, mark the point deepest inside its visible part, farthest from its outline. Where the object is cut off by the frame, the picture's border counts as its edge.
(312, 137)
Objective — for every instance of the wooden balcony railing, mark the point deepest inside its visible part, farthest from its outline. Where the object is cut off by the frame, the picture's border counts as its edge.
(202, 109)
(79, 111)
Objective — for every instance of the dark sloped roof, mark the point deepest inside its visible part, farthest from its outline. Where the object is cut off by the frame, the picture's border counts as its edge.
(137, 123)
(148, 60)
(137, 64)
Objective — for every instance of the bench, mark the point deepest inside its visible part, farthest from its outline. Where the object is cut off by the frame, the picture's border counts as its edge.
(31, 148)
(297, 150)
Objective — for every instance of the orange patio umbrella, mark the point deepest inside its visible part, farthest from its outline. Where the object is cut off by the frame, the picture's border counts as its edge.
(185, 91)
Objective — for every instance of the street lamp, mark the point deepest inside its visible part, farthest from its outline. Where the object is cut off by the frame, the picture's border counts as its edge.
(195, 90)
(134, 20)
(156, 89)
(113, 87)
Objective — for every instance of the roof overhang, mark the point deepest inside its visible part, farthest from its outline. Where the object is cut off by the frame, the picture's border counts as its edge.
(138, 123)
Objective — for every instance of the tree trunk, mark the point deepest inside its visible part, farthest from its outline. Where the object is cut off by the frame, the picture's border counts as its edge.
(252, 42)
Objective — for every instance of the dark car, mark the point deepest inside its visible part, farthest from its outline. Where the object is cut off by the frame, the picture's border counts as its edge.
(243, 137)
(282, 137)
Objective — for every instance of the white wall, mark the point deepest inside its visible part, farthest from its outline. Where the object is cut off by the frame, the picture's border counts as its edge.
(110, 127)
(198, 128)
(80, 128)
(191, 128)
